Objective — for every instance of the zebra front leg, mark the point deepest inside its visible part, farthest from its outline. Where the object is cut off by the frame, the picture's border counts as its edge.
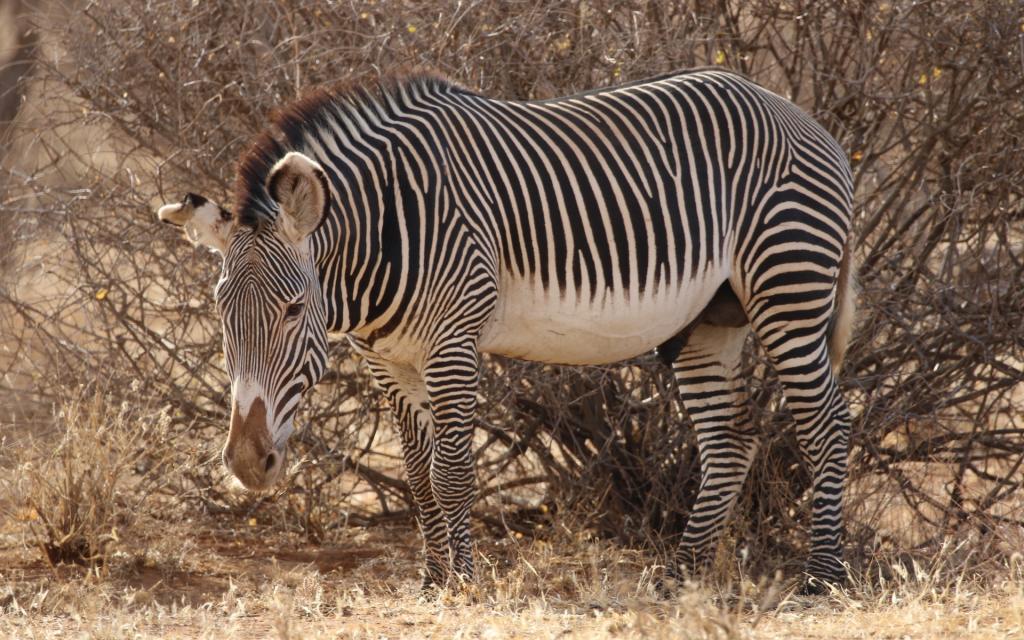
(417, 452)
(451, 374)
(707, 372)
(407, 395)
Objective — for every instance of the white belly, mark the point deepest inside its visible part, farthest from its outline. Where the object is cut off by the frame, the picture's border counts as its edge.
(531, 324)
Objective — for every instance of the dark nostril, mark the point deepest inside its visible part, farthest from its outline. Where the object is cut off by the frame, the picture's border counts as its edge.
(271, 462)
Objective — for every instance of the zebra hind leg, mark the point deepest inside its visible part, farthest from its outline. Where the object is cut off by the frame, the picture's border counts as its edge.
(797, 345)
(713, 391)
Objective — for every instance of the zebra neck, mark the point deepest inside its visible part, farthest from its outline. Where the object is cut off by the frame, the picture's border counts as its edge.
(383, 221)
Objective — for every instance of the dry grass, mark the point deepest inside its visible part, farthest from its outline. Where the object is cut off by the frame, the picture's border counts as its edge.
(256, 582)
(75, 488)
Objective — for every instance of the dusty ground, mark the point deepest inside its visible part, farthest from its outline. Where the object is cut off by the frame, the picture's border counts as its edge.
(201, 580)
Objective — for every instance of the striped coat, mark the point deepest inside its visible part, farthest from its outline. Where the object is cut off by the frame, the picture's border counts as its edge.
(430, 224)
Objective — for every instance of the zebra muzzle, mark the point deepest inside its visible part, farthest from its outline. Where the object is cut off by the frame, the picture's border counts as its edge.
(250, 453)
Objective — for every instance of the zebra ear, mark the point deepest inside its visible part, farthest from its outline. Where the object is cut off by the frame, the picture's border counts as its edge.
(203, 221)
(299, 186)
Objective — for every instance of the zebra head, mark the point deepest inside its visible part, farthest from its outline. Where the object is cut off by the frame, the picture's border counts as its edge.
(271, 307)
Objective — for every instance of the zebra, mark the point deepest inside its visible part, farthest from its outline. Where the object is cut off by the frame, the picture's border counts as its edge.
(430, 224)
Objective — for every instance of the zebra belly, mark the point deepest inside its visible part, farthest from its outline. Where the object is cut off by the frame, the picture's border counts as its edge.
(531, 324)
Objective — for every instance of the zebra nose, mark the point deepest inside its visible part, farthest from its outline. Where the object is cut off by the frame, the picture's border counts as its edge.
(250, 454)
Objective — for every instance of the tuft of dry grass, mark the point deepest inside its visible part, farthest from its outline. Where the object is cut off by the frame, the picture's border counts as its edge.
(76, 491)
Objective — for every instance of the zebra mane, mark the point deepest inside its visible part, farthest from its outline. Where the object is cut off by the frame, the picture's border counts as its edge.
(290, 125)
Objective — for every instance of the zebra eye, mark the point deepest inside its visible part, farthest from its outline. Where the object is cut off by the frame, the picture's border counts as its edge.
(293, 310)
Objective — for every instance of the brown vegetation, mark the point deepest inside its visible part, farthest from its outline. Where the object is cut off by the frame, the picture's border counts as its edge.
(133, 104)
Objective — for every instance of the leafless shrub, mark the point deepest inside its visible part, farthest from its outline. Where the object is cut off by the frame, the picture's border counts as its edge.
(137, 103)
(17, 51)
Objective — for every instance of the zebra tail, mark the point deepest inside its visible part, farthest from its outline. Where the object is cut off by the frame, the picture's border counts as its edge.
(846, 307)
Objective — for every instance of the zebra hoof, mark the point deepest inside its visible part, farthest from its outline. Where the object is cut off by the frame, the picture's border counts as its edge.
(815, 586)
(665, 588)
(460, 583)
(666, 585)
(824, 574)
(431, 587)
